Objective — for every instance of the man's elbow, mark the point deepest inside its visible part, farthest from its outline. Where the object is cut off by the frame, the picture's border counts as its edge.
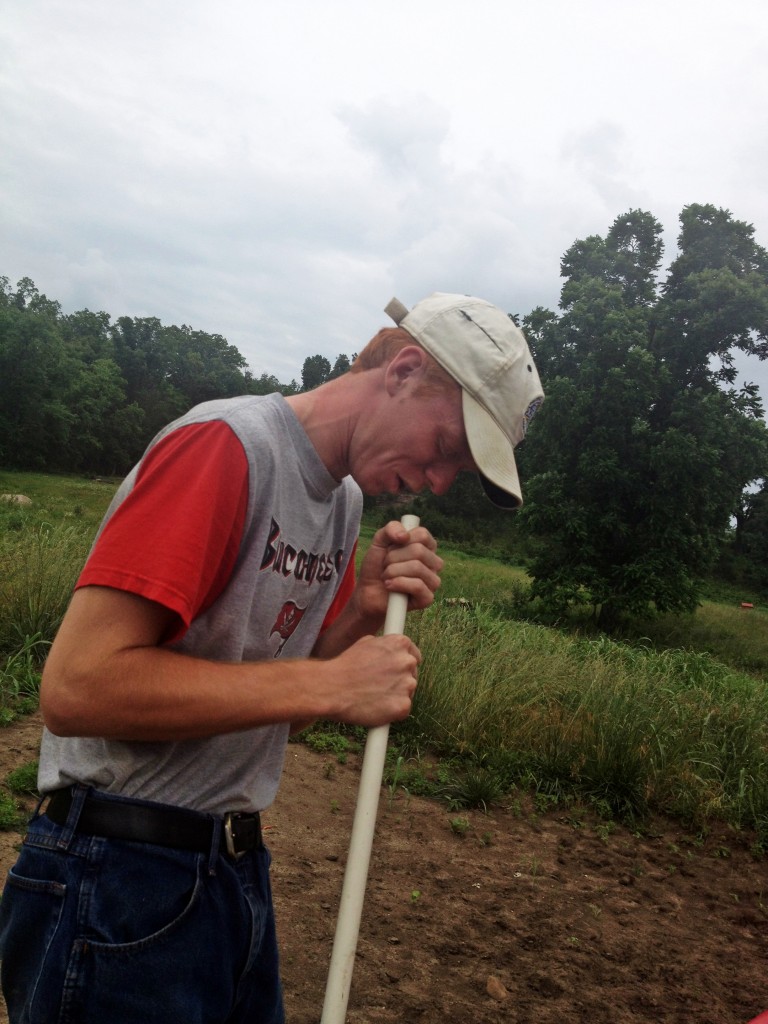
(64, 713)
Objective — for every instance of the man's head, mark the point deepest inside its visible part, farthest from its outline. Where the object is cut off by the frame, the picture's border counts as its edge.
(477, 346)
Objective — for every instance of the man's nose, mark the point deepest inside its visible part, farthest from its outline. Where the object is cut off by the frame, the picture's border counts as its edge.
(440, 477)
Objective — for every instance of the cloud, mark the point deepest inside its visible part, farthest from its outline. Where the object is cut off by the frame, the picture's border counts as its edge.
(404, 135)
(275, 174)
(600, 156)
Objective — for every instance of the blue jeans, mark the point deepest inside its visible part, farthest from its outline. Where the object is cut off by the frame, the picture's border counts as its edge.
(102, 931)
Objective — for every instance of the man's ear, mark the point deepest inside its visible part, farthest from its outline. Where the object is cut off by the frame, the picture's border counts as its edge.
(409, 364)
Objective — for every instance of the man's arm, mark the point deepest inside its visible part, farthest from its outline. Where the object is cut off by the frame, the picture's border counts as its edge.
(108, 675)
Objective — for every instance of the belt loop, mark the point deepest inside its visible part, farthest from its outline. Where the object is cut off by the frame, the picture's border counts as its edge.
(38, 810)
(79, 793)
(217, 836)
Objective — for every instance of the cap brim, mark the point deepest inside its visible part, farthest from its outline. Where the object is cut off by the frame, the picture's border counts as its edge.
(493, 453)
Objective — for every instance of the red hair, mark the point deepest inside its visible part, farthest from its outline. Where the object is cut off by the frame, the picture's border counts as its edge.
(383, 348)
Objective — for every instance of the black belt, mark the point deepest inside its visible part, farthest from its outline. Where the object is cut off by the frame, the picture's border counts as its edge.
(140, 822)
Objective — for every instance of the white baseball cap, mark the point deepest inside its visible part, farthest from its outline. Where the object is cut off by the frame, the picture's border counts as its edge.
(487, 354)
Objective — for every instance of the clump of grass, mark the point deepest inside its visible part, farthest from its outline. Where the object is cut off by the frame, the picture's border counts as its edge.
(42, 549)
(475, 786)
(20, 679)
(11, 815)
(460, 826)
(333, 738)
(411, 775)
(39, 566)
(23, 781)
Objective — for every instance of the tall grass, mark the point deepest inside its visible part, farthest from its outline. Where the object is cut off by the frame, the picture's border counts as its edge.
(39, 565)
(20, 679)
(735, 635)
(42, 549)
(629, 728)
(43, 546)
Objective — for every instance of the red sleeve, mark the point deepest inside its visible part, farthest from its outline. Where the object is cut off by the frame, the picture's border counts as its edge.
(343, 594)
(176, 536)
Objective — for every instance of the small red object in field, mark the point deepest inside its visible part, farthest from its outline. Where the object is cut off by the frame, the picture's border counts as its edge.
(746, 604)
(761, 1019)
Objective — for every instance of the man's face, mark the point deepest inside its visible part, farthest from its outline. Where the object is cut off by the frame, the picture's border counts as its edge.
(412, 442)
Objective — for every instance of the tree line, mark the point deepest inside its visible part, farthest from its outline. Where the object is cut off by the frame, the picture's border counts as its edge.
(647, 460)
(79, 393)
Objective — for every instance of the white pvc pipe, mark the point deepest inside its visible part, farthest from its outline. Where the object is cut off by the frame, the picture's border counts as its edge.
(361, 841)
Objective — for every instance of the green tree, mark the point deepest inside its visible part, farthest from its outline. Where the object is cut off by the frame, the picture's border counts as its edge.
(143, 352)
(753, 535)
(35, 372)
(315, 371)
(642, 450)
(715, 298)
(628, 256)
(202, 366)
(107, 434)
(268, 384)
(87, 335)
(103, 438)
(340, 367)
(27, 297)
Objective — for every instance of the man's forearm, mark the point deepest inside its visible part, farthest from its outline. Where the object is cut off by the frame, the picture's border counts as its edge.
(151, 694)
(347, 629)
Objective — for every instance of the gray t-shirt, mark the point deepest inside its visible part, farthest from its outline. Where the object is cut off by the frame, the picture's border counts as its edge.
(299, 535)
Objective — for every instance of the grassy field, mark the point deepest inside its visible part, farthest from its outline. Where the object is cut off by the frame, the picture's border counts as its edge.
(671, 716)
(729, 633)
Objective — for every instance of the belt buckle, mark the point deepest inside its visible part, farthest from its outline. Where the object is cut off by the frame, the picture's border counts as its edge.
(229, 837)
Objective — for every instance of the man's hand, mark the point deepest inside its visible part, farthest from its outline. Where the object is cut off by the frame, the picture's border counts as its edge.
(397, 561)
(375, 680)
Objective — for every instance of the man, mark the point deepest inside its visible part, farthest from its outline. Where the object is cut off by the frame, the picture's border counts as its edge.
(217, 611)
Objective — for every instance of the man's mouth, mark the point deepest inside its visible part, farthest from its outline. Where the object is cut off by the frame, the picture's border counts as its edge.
(403, 487)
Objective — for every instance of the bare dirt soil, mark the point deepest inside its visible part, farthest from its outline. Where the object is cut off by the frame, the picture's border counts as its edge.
(532, 918)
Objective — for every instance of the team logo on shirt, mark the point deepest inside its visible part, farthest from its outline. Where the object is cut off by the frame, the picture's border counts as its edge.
(307, 566)
(289, 617)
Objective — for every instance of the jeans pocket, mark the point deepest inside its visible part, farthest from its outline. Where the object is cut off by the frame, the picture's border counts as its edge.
(30, 915)
(151, 946)
(139, 894)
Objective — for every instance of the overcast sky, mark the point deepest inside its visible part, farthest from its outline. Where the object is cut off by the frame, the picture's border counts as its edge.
(276, 172)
